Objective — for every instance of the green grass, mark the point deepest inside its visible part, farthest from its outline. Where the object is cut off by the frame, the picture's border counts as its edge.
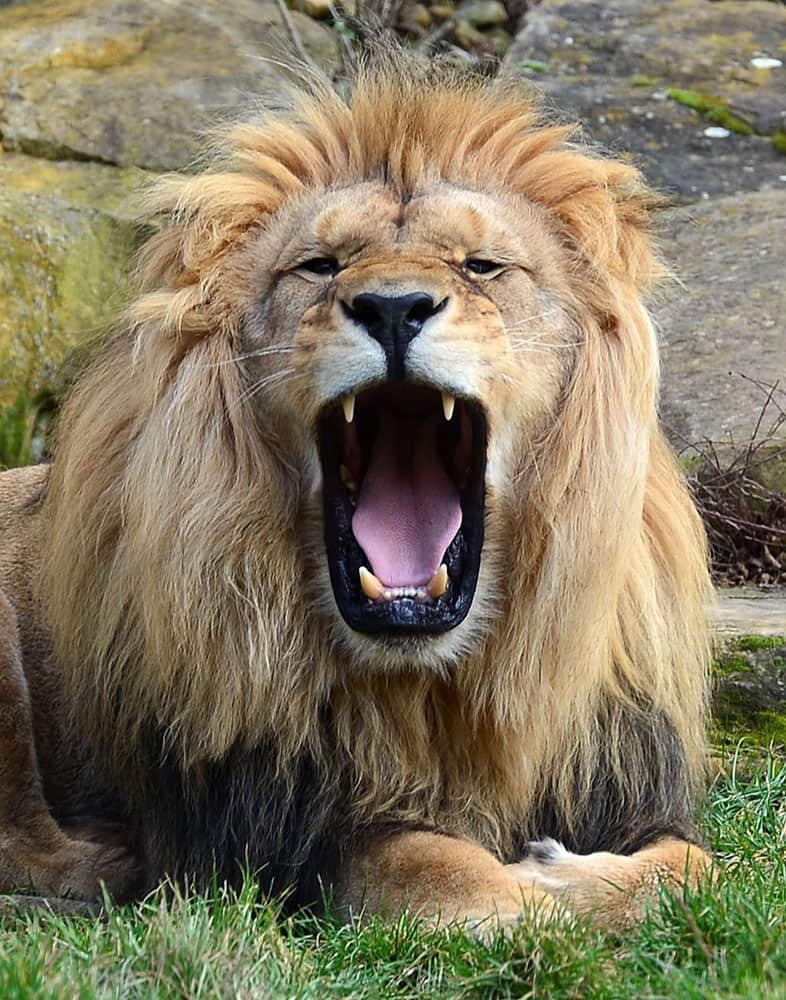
(726, 940)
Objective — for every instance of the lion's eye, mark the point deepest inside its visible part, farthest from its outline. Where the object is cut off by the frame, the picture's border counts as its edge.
(320, 265)
(477, 265)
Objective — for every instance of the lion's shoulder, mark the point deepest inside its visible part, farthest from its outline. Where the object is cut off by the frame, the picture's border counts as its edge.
(21, 496)
(21, 491)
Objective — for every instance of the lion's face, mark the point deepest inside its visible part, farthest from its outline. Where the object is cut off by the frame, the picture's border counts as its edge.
(419, 347)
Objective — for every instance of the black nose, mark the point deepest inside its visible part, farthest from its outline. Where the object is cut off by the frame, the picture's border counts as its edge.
(393, 321)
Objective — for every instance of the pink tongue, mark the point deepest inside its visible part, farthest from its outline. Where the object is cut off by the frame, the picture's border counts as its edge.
(408, 511)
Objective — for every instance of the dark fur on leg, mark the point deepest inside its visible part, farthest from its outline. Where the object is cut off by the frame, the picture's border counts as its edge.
(622, 813)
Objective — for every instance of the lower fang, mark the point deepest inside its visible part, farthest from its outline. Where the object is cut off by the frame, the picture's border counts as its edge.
(372, 587)
(438, 584)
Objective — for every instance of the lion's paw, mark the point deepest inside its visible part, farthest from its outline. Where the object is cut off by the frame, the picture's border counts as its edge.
(487, 929)
(537, 910)
(88, 868)
(547, 867)
(599, 884)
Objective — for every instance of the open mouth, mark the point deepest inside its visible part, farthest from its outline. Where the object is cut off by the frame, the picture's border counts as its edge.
(404, 487)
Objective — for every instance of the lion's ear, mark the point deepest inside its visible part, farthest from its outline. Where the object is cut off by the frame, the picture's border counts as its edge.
(185, 268)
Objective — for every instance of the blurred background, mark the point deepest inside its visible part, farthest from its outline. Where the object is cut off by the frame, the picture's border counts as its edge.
(97, 96)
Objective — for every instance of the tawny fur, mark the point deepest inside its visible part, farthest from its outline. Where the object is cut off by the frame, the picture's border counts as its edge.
(183, 579)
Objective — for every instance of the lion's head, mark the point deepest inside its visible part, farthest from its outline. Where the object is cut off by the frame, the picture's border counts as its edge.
(383, 414)
(410, 346)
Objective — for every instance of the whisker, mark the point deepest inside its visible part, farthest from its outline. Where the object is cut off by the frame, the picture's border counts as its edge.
(534, 342)
(262, 352)
(524, 320)
(267, 380)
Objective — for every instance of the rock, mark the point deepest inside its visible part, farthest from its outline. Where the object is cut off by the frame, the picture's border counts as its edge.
(421, 15)
(695, 92)
(483, 13)
(117, 82)
(134, 82)
(500, 41)
(749, 699)
(724, 328)
(442, 11)
(318, 9)
(746, 611)
(67, 233)
(468, 36)
(614, 63)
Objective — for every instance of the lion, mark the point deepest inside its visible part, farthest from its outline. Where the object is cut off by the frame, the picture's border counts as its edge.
(362, 562)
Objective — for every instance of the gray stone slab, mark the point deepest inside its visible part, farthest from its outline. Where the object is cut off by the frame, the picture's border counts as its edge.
(723, 328)
(750, 612)
(612, 63)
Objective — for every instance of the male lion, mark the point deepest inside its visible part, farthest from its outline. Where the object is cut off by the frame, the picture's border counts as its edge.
(362, 560)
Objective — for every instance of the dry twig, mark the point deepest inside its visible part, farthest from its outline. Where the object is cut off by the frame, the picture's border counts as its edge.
(294, 37)
(744, 517)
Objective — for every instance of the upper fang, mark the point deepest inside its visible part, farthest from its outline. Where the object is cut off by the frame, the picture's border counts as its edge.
(348, 405)
(448, 405)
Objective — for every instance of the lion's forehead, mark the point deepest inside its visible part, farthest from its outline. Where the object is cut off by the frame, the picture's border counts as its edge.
(441, 220)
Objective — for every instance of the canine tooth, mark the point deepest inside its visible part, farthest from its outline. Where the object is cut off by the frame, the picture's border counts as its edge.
(448, 405)
(372, 587)
(438, 584)
(348, 405)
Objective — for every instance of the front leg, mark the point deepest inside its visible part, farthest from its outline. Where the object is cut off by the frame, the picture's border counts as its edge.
(36, 854)
(612, 889)
(441, 878)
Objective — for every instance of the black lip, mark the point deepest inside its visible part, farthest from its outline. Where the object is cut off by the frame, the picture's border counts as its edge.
(345, 556)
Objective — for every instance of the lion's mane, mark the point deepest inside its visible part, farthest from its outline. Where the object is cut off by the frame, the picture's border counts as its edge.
(191, 659)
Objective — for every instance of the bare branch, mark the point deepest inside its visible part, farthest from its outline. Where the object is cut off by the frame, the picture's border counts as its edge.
(744, 517)
(294, 37)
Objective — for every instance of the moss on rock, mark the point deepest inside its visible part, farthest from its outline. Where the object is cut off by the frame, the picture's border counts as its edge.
(712, 108)
(67, 236)
(756, 643)
(749, 699)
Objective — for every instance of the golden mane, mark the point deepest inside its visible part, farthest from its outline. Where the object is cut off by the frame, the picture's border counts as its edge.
(173, 571)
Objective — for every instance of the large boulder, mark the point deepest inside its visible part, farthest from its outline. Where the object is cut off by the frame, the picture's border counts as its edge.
(723, 325)
(136, 82)
(67, 234)
(746, 611)
(89, 94)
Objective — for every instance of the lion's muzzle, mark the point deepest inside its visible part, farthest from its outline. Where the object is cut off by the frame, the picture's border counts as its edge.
(393, 321)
